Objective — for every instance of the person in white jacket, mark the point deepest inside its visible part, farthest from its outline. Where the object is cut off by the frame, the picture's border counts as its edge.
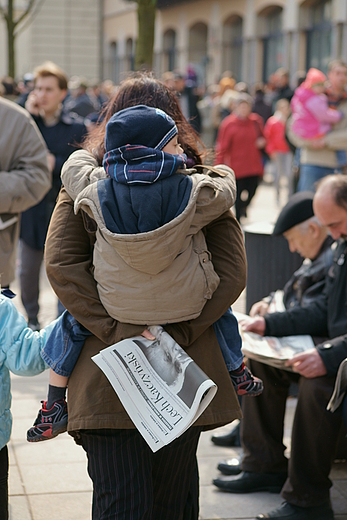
(20, 349)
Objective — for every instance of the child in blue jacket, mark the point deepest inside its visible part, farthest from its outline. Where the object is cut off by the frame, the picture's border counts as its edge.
(20, 349)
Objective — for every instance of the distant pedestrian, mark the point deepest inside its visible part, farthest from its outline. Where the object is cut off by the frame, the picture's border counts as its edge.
(319, 157)
(239, 143)
(277, 147)
(62, 133)
(24, 179)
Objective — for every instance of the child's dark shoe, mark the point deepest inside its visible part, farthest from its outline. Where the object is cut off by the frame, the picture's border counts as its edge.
(49, 423)
(245, 382)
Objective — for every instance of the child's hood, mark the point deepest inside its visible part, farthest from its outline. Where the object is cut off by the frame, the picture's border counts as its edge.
(303, 94)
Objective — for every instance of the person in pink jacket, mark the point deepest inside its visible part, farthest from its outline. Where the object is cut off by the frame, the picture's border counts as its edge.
(277, 147)
(312, 117)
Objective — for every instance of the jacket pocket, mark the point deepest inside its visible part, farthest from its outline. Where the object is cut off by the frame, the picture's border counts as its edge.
(211, 277)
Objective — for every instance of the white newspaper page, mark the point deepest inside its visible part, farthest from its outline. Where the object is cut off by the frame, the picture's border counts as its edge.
(270, 350)
(159, 385)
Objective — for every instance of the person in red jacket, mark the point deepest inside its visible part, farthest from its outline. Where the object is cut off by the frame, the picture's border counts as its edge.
(277, 147)
(239, 143)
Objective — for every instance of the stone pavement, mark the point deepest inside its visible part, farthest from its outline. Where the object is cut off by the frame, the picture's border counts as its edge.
(49, 480)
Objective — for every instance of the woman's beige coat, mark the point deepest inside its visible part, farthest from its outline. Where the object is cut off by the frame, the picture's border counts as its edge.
(93, 404)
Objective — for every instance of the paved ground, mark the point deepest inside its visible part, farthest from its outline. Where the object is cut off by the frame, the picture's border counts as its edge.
(49, 480)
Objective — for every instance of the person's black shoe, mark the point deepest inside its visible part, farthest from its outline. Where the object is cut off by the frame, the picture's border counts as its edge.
(229, 440)
(230, 467)
(288, 511)
(250, 482)
(34, 324)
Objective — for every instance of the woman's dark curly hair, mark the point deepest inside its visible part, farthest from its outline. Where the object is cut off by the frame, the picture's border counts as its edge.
(143, 89)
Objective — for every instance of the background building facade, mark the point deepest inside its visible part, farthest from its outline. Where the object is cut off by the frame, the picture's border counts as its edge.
(252, 38)
(67, 32)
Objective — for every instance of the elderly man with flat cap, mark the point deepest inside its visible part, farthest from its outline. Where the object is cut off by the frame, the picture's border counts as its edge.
(310, 239)
(315, 430)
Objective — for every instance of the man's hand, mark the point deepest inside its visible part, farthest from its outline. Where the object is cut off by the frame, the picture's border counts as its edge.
(260, 142)
(259, 309)
(317, 144)
(256, 325)
(308, 364)
(32, 104)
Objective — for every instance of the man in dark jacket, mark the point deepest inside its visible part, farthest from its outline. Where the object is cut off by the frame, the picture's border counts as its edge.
(305, 235)
(62, 132)
(315, 430)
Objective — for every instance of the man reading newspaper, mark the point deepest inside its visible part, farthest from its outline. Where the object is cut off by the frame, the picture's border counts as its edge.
(315, 431)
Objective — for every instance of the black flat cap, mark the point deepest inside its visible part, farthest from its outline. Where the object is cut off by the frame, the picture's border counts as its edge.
(298, 209)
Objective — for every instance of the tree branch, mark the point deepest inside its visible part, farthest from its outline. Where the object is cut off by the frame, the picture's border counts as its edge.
(28, 21)
(3, 12)
(25, 13)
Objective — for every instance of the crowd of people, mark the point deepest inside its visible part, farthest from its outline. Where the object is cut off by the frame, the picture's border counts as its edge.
(144, 209)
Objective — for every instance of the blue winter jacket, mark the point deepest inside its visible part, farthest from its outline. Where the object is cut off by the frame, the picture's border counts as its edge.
(20, 349)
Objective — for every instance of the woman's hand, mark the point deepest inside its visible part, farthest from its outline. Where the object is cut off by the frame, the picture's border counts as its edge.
(148, 335)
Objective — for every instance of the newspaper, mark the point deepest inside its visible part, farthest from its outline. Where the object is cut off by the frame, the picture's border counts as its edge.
(160, 386)
(340, 389)
(270, 350)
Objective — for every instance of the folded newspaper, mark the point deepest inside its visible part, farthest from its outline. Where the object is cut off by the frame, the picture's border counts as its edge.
(162, 389)
(270, 350)
(340, 389)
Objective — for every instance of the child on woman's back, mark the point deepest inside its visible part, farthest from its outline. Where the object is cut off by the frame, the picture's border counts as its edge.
(150, 249)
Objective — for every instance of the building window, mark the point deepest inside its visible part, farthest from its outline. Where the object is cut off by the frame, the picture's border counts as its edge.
(197, 54)
(272, 42)
(232, 46)
(114, 63)
(129, 55)
(169, 45)
(319, 35)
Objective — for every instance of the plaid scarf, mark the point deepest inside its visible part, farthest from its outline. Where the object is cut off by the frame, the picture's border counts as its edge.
(136, 164)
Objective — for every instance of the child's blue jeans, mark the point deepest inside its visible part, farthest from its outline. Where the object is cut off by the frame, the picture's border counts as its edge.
(229, 339)
(68, 336)
(64, 344)
(341, 157)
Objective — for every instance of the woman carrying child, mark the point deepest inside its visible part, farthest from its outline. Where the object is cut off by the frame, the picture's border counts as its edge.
(129, 481)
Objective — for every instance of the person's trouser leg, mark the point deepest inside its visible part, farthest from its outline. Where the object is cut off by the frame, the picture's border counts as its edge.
(176, 477)
(288, 171)
(262, 425)
(4, 483)
(130, 482)
(314, 438)
(278, 173)
(310, 174)
(246, 188)
(30, 265)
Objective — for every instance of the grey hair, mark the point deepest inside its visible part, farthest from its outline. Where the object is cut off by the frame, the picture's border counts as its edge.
(303, 226)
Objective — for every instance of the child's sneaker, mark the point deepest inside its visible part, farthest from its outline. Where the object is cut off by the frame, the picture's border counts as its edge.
(245, 382)
(49, 423)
